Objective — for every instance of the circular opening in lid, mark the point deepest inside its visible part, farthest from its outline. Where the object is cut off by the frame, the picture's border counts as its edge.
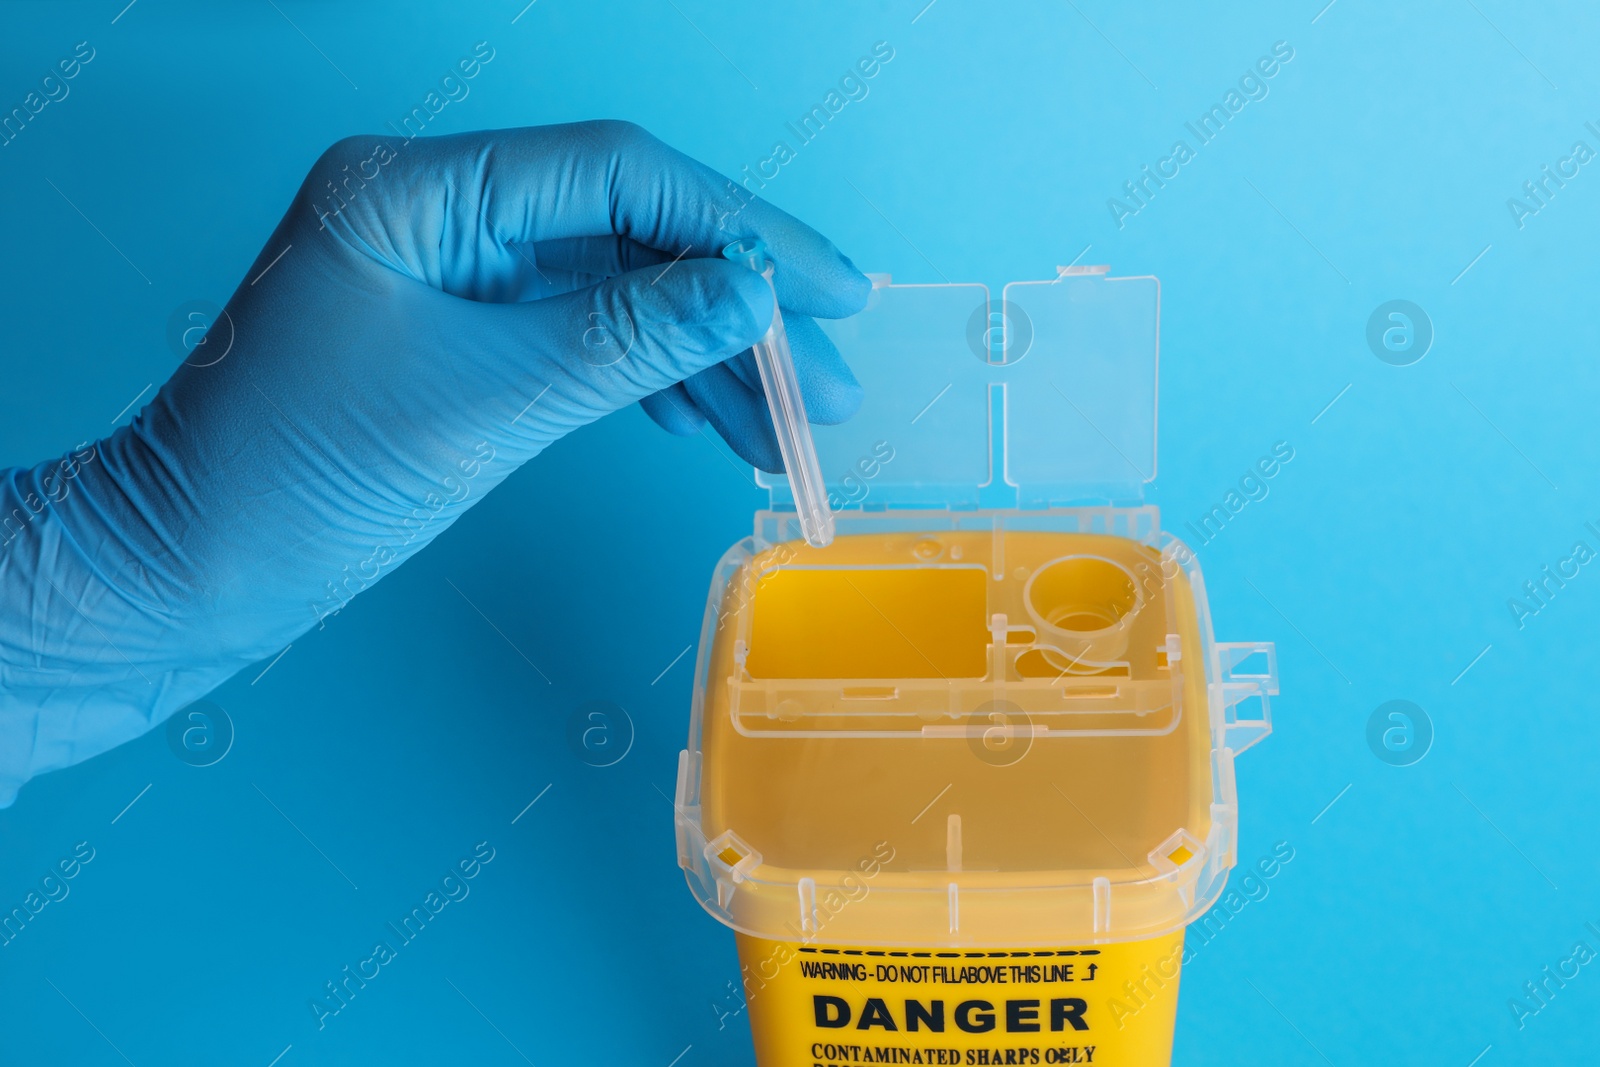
(1084, 606)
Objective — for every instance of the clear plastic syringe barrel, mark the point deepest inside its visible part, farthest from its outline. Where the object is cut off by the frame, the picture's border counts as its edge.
(776, 365)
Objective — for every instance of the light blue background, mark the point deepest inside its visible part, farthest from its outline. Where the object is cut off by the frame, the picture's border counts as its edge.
(409, 729)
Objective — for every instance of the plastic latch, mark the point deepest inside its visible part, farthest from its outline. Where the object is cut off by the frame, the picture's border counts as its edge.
(680, 812)
(729, 853)
(1182, 850)
(1181, 857)
(1246, 680)
(1073, 270)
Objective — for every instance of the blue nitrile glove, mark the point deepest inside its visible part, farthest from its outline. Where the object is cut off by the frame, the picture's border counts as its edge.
(429, 315)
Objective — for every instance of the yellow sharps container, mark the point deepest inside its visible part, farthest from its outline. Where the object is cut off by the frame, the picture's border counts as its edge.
(960, 779)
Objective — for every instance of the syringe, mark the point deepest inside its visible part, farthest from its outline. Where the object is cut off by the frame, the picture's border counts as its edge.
(776, 365)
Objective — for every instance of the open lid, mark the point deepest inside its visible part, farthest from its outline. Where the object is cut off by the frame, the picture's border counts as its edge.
(1057, 381)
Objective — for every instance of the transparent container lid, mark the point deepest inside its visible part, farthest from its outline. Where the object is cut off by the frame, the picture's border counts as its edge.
(1053, 388)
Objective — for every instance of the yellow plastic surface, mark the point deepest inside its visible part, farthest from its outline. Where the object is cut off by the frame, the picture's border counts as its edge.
(870, 624)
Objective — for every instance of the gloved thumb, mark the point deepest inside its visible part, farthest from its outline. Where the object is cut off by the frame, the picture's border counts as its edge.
(617, 342)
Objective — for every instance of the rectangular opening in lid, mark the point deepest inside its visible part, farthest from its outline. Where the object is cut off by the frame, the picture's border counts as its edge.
(877, 622)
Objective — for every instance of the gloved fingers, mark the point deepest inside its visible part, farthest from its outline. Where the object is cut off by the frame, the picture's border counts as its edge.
(744, 368)
(447, 208)
(730, 396)
(673, 411)
(597, 256)
(522, 280)
(830, 390)
(665, 339)
(636, 334)
(567, 264)
(739, 414)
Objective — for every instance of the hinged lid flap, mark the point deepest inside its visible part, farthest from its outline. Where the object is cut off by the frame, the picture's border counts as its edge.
(1071, 365)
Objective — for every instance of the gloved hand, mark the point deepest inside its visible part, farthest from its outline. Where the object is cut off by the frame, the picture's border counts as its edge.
(428, 316)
